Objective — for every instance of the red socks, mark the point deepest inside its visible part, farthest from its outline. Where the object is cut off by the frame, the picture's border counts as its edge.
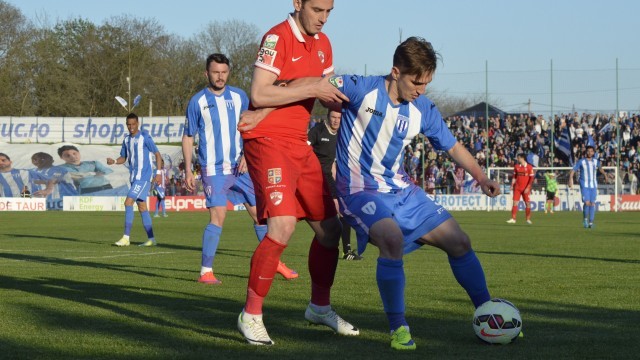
(264, 263)
(322, 268)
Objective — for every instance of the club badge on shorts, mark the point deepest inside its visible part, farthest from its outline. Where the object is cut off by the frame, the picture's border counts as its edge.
(276, 197)
(274, 176)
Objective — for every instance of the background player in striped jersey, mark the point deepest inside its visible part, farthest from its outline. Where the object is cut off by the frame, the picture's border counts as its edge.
(136, 149)
(160, 192)
(213, 115)
(286, 173)
(376, 195)
(521, 187)
(587, 166)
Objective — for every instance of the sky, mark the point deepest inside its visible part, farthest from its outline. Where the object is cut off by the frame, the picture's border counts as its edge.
(505, 47)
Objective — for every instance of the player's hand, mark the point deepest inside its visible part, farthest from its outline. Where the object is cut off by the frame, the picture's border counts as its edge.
(242, 165)
(110, 161)
(327, 93)
(189, 181)
(158, 179)
(490, 188)
(249, 120)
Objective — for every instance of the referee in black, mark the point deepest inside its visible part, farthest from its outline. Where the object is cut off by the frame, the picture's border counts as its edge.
(322, 138)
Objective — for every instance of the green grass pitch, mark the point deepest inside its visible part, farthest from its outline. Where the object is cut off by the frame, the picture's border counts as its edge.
(66, 293)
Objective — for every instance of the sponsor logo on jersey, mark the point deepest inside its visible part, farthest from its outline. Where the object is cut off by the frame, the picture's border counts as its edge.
(274, 176)
(270, 41)
(321, 56)
(276, 197)
(336, 81)
(402, 123)
(230, 104)
(267, 56)
(369, 208)
(374, 111)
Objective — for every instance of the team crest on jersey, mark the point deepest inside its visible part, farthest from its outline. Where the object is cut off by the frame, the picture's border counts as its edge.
(267, 56)
(336, 81)
(230, 104)
(369, 208)
(274, 176)
(270, 41)
(276, 197)
(402, 123)
(321, 56)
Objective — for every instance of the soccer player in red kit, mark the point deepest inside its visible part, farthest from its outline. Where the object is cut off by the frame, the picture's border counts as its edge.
(521, 187)
(285, 171)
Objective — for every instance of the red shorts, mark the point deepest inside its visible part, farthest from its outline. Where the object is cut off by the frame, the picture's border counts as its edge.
(288, 180)
(517, 193)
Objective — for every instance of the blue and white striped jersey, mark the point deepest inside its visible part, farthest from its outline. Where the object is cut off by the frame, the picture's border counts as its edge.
(64, 183)
(588, 172)
(374, 132)
(12, 182)
(214, 118)
(137, 150)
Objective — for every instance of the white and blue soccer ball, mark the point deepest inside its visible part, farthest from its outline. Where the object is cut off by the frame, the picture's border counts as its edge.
(497, 321)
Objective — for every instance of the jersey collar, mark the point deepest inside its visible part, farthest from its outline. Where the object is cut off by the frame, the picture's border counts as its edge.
(296, 31)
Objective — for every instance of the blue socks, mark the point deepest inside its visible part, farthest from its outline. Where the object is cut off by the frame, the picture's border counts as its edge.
(128, 219)
(391, 283)
(210, 241)
(146, 222)
(261, 231)
(468, 271)
(592, 213)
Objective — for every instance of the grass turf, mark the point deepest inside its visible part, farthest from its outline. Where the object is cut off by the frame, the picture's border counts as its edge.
(65, 292)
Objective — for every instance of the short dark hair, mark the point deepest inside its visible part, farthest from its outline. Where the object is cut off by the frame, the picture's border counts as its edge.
(132, 116)
(522, 155)
(415, 56)
(65, 148)
(217, 57)
(5, 155)
(43, 155)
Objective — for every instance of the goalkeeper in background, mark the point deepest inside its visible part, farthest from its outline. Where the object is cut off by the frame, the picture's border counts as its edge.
(551, 187)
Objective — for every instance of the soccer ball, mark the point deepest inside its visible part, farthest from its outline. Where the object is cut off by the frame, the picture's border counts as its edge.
(497, 322)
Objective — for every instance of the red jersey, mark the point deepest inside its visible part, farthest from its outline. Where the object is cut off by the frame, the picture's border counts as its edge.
(523, 176)
(289, 54)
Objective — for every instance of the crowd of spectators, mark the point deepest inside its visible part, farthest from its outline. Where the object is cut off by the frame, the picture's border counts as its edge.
(523, 133)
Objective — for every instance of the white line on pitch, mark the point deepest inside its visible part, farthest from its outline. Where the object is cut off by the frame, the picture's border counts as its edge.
(121, 255)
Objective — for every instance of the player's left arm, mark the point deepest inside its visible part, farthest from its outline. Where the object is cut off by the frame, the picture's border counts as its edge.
(530, 178)
(462, 157)
(158, 176)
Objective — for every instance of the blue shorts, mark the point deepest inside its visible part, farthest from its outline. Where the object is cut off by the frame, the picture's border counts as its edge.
(236, 189)
(589, 194)
(411, 208)
(139, 190)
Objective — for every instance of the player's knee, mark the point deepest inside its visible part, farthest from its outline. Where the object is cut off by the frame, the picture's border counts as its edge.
(459, 245)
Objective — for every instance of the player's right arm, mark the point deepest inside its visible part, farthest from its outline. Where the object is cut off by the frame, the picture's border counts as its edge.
(575, 167)
(187, 151)
(265, 95)
(117, 161)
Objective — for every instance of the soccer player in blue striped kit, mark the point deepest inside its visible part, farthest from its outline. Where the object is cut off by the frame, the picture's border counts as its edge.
(377, 197)
(213, 114)
(587, 166)
(136, 149)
